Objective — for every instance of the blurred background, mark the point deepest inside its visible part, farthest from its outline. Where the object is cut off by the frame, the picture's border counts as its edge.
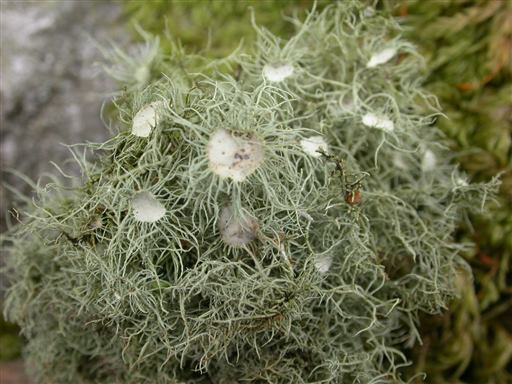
(53, 88)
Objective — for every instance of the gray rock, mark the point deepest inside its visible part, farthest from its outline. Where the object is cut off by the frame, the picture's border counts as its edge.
(51, 88)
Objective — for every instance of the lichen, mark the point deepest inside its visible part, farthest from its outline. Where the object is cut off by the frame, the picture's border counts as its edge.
(277, 73)
(236, 231)
(146, 208)
(314, 146)
(284, 268)
(147, 118)
(233, 157)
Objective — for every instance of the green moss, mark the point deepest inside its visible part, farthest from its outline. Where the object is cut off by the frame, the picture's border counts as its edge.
(467, 44)
(468, 48)
(10, 343)
(215, 28)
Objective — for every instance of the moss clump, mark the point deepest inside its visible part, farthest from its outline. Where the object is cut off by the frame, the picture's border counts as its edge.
(305, 266)
(467, 44)
(213, 27)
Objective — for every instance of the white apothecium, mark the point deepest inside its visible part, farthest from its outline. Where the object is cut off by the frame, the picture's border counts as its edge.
(277, 73)
(323, 263)
(233, 157)
(147, 118)
(428, 161)
(314, 146)
(381, 57)
(378, 121)
(461, 182)
(236, 231)
(146, 208)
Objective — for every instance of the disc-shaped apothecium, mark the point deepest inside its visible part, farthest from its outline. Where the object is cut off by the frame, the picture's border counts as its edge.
(236, 231)
(234, 157)
(146, 208)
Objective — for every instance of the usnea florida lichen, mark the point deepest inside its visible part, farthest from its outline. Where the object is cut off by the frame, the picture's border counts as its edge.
(255, 226)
